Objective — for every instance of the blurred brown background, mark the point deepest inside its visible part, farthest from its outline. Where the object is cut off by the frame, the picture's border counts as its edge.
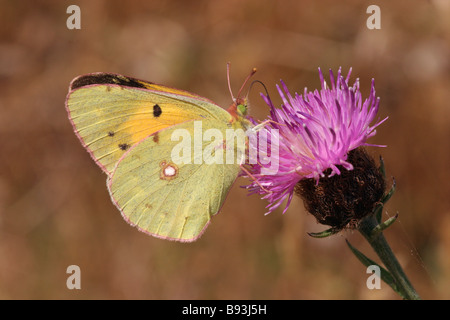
(55, 210)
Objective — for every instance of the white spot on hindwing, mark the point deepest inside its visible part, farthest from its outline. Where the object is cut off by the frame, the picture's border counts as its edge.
(169, 170)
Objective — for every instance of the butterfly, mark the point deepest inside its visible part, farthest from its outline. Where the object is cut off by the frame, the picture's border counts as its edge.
(128, 127)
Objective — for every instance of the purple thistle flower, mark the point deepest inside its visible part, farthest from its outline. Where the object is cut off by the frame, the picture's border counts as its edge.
(316, 132)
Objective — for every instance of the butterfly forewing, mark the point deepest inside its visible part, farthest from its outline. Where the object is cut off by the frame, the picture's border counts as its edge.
(110, 114)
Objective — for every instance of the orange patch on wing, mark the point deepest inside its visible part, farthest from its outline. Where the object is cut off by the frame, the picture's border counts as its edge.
(156, 87)
(143, 122)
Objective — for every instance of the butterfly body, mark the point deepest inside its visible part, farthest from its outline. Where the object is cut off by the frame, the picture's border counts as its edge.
(128, 126)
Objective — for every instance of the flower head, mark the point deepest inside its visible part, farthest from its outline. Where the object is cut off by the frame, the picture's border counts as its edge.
(314, 134)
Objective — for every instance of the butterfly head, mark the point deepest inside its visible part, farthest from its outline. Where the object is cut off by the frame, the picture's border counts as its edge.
(239, 108)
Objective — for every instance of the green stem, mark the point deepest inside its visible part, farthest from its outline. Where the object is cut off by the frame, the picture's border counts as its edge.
(383, 250)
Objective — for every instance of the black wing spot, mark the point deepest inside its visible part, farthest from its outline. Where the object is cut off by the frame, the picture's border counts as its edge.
(111, 134)
(156, 111)
(124, 146)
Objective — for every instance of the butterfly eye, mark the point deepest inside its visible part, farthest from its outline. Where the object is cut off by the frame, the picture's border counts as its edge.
(242, 108)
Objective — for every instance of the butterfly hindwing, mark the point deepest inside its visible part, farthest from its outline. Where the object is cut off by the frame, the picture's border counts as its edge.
(165, 199)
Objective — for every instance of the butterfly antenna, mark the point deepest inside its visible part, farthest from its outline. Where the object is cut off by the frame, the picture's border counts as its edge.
(261, 83)
(246, 80)
(228, 78)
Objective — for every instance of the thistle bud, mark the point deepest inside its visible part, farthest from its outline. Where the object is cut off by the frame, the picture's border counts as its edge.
(341, 201)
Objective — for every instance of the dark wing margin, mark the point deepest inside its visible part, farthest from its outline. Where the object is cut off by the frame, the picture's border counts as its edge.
(106, 78)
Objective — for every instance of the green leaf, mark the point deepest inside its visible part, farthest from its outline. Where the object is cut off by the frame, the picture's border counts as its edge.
(379, 208)
(390, 193)
(323, 234)
(382, 226)
(381, 168)
(385, 275)
(377, 212)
